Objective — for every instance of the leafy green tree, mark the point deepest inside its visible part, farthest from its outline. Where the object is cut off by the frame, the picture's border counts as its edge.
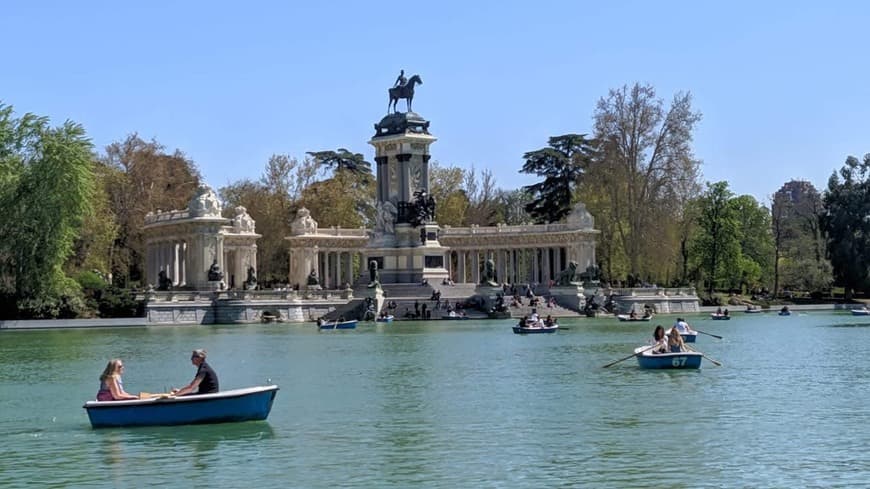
(46, 189)
(562, 165)
(756, 243)
(445, 184)
(845, 221)
(716, 245)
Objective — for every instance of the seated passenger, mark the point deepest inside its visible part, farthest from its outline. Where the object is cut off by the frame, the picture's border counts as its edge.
(111, 385)
(660, 340)
(675, 341)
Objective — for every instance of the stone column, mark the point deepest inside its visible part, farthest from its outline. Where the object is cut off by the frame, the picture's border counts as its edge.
(545, 276)
(348, 274)
(475, 267)
(460, 276)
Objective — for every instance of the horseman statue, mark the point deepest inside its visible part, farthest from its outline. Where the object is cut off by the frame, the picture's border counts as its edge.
(403, 88)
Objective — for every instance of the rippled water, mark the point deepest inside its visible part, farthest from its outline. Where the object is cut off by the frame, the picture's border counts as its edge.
(453, 404)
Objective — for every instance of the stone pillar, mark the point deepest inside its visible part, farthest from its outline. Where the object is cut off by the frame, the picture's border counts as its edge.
(460, 265)
(545, 278)
(475, 267)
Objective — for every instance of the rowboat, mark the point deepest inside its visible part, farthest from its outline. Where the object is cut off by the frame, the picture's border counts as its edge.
(248, 404)
(861, 312)
(689, 337)
(753, 311)
(784, 312)
(385, 319)
(626, 317)
(682, 360)
(720, 317)
(535, 329)
(337, 325)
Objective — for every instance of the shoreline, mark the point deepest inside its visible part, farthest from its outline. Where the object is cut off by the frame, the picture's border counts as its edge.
(48, 324)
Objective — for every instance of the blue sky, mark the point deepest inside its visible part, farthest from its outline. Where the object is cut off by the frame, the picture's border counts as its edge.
(783, 86)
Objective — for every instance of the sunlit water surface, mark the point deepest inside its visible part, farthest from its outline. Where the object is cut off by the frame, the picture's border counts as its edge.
(454, 404)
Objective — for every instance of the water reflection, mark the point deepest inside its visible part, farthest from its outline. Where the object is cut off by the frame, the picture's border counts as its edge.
(199, 445)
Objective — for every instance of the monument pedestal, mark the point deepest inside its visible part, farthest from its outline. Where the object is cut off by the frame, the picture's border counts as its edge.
(415, 256)
(569, 296)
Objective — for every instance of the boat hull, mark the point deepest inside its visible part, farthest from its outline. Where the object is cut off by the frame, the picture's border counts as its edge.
(250, 404)
(629, 319)
(861, 312)
(720, 317)
(522, 330)
(387, 319)
(683, 360)
(689, 337)
(342, 325)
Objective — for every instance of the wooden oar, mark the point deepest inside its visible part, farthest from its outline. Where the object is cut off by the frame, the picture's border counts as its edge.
(708, 334)
(718, 364)
(632, 355)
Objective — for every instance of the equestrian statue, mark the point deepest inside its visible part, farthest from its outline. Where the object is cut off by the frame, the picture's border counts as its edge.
(403, 89)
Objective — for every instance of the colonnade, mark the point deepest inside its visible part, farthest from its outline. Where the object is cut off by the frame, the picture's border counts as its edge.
(169, 256)
(519, 264)
(337, 268)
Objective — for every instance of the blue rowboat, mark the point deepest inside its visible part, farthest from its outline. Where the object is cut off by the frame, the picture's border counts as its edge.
(249, 404)
(385, 319)
(689, 337)
(720, 317)
(535, 329)
(683, 360)
(337, 325)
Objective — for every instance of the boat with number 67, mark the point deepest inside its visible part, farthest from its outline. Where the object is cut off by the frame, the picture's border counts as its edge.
(682, 360)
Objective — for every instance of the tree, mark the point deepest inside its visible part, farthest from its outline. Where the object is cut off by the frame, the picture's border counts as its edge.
(483, 206)
(147, 179)
(561, 164)
(716, 245)
(347, 198)
(445, 184)
(845, 221)
(512, 206)
(343, 159)
(755, 240)
(647, 168)
(46, 189)
(271, 202)
(800, 253)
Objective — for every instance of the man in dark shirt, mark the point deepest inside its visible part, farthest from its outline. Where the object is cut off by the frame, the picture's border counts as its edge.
(205, 381)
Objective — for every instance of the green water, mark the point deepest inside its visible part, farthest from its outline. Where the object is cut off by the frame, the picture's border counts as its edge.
(453, 404)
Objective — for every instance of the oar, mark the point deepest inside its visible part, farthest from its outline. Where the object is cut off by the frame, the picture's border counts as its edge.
(718, 364)
(626, 358)
(708, 334)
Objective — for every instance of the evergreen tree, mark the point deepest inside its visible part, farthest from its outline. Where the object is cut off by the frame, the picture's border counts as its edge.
(562, 164)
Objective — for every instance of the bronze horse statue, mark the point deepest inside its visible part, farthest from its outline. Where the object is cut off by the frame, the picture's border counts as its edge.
(405, 91)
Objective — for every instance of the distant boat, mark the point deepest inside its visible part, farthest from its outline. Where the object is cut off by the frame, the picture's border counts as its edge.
(252, 403)
(337, 325)
(784, 311)
(626, 317)
(720, 317)
(385, 319)
(535, 329)
(753, 311)
(682, 360)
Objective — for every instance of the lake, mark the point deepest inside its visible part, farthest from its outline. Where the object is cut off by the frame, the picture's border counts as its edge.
(454, 404)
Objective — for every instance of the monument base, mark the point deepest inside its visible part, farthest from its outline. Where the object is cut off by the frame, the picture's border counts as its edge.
(569, 296)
